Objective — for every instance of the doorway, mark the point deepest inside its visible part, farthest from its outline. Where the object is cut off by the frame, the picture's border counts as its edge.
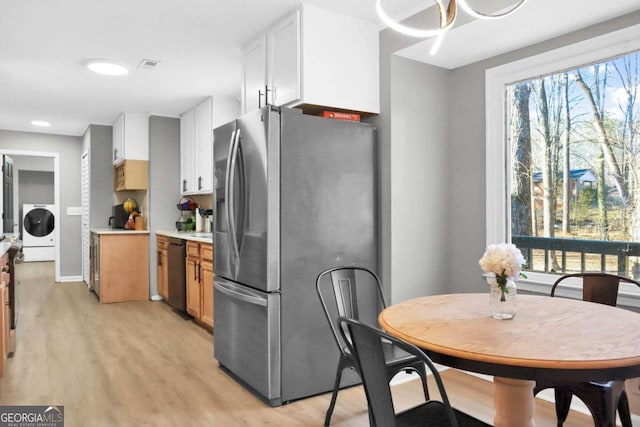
(41, 173)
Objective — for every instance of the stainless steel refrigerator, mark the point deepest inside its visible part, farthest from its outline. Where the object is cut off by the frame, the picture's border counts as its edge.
(294, 195)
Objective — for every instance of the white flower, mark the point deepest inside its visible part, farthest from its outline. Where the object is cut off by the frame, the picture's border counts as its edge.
(504, 260)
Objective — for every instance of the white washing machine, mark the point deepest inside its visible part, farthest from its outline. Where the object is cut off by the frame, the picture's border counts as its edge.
(38, 238)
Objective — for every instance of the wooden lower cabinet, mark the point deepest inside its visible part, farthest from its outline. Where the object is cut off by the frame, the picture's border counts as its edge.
(193, 279)
(162, 243)
(200, 275)
(124, 267)
(206, 268)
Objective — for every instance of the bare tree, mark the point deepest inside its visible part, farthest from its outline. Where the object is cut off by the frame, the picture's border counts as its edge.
(566, 165)
(548, 196)
(521, 200)
(605, 141)
(627, 70)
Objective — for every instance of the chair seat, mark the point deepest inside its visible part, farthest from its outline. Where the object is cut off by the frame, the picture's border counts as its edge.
(433, 413)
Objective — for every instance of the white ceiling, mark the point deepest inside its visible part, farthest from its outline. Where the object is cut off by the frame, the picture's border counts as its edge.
(46, 43)
(536, 21)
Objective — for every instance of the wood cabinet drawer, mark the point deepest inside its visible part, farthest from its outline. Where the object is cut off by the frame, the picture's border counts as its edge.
(206, 251)
(162, 242)
(193, 249)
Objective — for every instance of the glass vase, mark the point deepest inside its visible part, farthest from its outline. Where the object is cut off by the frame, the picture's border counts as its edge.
(503, 303)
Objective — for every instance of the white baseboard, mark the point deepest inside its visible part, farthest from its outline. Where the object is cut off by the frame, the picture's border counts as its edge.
(70, 279)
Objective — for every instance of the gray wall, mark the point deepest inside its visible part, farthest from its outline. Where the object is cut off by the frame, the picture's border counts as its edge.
(69, 152)
(437, 248)
(414, 196)
(164, 180)
(420, 163)
(98, 142)
(35, 187)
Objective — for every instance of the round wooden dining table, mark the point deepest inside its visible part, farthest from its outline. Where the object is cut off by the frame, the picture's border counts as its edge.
(553, 340)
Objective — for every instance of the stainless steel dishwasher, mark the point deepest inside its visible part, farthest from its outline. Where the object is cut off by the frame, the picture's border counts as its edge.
(177, 288)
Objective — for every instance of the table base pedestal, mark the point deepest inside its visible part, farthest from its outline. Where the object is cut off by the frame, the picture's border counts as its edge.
(514, 402)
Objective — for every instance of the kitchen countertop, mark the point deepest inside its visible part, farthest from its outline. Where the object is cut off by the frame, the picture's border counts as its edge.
(117, 231)
(4, 247)
(9, 241)
(195, 236)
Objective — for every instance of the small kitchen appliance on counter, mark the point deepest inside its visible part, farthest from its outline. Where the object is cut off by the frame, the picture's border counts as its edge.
(119, 217)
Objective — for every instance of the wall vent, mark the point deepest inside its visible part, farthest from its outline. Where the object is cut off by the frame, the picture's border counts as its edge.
(149, 64)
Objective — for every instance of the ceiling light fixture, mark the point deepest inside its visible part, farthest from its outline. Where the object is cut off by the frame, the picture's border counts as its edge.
(40, 123)
(103, 66)
(448, 17)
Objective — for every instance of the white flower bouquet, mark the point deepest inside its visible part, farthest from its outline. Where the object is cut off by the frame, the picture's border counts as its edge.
(503, 261)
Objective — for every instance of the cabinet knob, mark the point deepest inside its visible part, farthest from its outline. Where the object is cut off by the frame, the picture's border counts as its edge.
(199, 183)
(184, 185)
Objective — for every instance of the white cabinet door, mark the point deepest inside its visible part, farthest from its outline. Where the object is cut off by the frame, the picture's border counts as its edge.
(283, 66)
(271, 66)
(131, 137)
(203, 153)
(254, 75)
(118, 139)
(187, 135)
(339, 67)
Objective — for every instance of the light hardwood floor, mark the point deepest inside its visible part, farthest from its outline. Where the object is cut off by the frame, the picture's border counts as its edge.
(140, 364)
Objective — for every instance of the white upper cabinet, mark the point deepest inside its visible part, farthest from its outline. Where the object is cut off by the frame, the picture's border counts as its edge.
(131, 137)
(196, 149)
(283, 61)
(313, 58)
(204, 147)
(254, 74)
(187, 158)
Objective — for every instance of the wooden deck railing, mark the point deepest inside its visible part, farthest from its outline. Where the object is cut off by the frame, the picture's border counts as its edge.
(622, 250)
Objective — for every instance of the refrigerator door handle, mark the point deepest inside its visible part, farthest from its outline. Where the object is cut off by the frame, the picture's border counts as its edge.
(241, 204)
(231, 202)
(242, 295)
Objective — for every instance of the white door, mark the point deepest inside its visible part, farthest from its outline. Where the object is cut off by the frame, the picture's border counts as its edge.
(85, 219)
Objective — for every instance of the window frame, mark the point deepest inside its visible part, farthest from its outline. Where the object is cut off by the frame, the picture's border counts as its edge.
(498, 216)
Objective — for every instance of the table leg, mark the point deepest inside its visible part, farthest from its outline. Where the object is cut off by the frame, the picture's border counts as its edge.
(514, 402)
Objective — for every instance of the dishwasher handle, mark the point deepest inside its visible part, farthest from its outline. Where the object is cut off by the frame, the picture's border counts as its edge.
(241, 294)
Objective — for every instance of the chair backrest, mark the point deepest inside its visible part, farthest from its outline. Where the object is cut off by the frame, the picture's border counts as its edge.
(601, 288)
(351, 292)
(367, 347)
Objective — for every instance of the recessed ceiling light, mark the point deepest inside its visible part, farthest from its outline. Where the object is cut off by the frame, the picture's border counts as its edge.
(40, 123)
(103, 66)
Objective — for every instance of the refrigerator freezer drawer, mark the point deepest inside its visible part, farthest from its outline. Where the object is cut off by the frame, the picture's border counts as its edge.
(247, 337)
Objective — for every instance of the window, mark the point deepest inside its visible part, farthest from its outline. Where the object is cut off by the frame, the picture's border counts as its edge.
(530, 136)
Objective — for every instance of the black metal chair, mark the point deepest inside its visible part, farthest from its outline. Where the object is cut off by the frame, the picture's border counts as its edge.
(602, 398)
(356, 293)
(367, 345)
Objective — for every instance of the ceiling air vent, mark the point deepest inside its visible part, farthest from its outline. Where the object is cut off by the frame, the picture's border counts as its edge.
(149, 64)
